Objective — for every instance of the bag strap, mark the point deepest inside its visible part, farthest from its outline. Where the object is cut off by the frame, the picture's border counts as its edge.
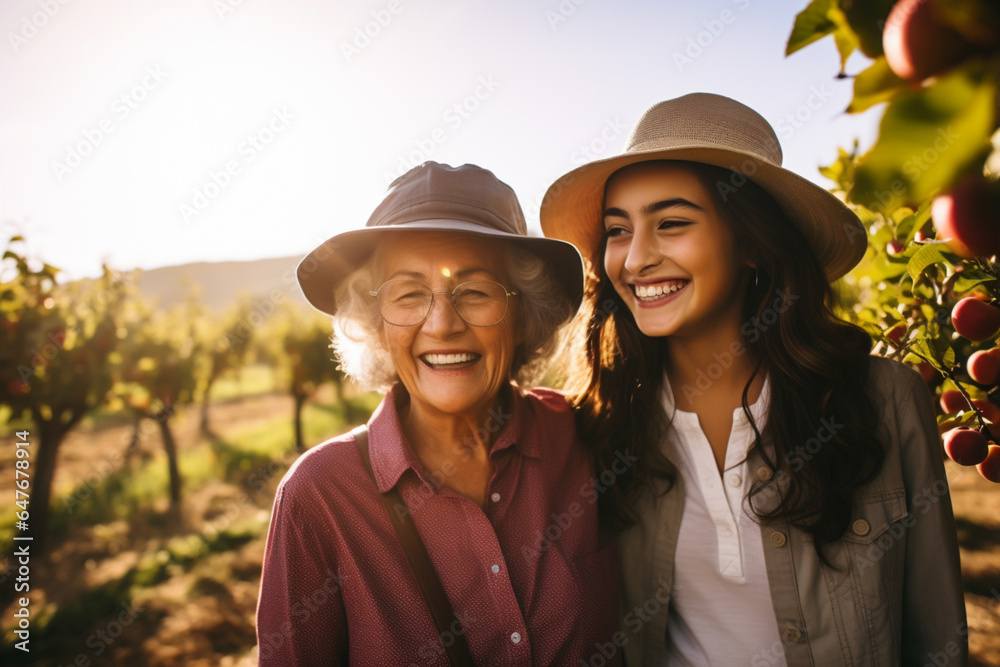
(416, 554)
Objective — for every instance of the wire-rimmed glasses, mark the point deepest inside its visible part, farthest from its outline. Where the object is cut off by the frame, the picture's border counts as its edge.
(406, 303)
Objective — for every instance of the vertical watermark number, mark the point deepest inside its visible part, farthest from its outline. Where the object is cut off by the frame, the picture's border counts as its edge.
(22, 582)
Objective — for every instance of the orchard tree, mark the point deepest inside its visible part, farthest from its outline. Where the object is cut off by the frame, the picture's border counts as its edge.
(927, 191)
(310, 363)
(226, 345)
(159, 372)
(57, 354)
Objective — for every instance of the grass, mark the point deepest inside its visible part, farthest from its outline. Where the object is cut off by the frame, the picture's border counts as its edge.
(251, 380)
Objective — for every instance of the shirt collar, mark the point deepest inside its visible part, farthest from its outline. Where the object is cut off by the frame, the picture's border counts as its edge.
(688, 421)
(391, 454)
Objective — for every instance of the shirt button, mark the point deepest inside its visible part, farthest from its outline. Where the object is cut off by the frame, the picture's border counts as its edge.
(515, 637)
(494, 568)
(861, 527)
(735, 480)
(764, 473)
(791, 634)
(778, 538)
(495, 497)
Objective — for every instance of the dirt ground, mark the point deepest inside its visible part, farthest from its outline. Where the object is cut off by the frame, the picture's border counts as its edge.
(199, 610)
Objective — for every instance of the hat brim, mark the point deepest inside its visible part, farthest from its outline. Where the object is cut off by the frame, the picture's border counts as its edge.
(571, 208)
(320, 272)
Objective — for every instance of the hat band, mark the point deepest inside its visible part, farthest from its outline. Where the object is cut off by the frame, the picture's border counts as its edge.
(446, 224)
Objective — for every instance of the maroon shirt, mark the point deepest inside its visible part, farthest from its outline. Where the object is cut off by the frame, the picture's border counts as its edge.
(525, 575)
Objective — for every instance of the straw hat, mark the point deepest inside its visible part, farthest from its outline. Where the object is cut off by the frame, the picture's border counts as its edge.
(715, 130)
(436, 197)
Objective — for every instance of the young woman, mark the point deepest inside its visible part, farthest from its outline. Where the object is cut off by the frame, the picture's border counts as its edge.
(788, 502)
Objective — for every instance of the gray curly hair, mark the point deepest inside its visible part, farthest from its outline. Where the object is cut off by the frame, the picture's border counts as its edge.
(543, 309)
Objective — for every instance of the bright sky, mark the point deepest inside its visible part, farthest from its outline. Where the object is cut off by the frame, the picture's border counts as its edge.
(151, 132)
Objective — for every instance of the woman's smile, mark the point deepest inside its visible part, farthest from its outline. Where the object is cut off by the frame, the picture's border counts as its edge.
(448, 360)
(652, 295)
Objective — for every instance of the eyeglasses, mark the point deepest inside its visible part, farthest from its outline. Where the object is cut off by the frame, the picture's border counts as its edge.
(406, 303)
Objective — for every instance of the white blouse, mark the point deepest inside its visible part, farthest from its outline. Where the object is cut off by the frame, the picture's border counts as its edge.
(721, 612)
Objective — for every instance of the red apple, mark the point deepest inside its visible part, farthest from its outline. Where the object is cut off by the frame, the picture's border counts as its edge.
(965, 446)
(975, 320)
(952, 401)
(990, 466)
(920, 237)
(984, 366)
(927, 372)
(894, 247)
(917, 44)
(17, 387)
(895, 334)
(989, 410)
(966, 218)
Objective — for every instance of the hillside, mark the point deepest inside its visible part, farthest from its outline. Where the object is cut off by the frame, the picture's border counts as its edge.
(221, 283)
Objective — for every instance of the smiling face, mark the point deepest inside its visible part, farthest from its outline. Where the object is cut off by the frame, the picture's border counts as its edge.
(670, 255)
(445, 364)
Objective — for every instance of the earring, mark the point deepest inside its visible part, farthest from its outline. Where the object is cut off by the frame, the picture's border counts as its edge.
(756, 277)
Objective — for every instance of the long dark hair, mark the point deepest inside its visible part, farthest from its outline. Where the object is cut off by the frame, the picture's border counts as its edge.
(817, 364)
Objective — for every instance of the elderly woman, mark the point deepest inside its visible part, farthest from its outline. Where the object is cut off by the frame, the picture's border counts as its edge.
(443, 301)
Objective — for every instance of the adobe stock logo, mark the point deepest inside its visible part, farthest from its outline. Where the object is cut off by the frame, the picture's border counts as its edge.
(220, 179)
(121, 109)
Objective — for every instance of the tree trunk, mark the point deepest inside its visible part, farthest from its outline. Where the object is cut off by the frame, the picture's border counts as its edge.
(299, 445)
(171, 448)
(204, 427)
(133, 443)
(48, 436)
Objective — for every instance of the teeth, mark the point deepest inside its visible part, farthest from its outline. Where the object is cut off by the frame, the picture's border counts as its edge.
(655, 291)
(443, 359)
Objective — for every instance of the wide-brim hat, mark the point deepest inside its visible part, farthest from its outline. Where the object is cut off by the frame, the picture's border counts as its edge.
(716, 130)
(437, 197)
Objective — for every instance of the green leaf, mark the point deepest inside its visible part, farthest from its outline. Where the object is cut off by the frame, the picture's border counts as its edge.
(968, 279)
(843, 36)
(866, 18)
(875, 85)
(841, 171)
(962, 420)
(819, 19)
(911, 224)
(948, 356)
(927, 138)
(929, 254)
(811, 24)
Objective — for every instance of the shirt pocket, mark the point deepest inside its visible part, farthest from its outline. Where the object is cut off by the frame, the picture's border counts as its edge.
(875, 546)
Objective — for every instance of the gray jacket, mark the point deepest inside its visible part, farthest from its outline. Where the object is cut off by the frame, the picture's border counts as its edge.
(895, 594)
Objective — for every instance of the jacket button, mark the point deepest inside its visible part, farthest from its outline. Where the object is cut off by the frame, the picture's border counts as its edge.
(764, 473)
(778, 538)
(791, 634)
(861, 527)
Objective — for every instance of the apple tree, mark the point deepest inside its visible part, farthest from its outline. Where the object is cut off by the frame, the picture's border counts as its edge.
(57, 354)
(309, 361)
(160, 369)
(928, 194)
(226, 344)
